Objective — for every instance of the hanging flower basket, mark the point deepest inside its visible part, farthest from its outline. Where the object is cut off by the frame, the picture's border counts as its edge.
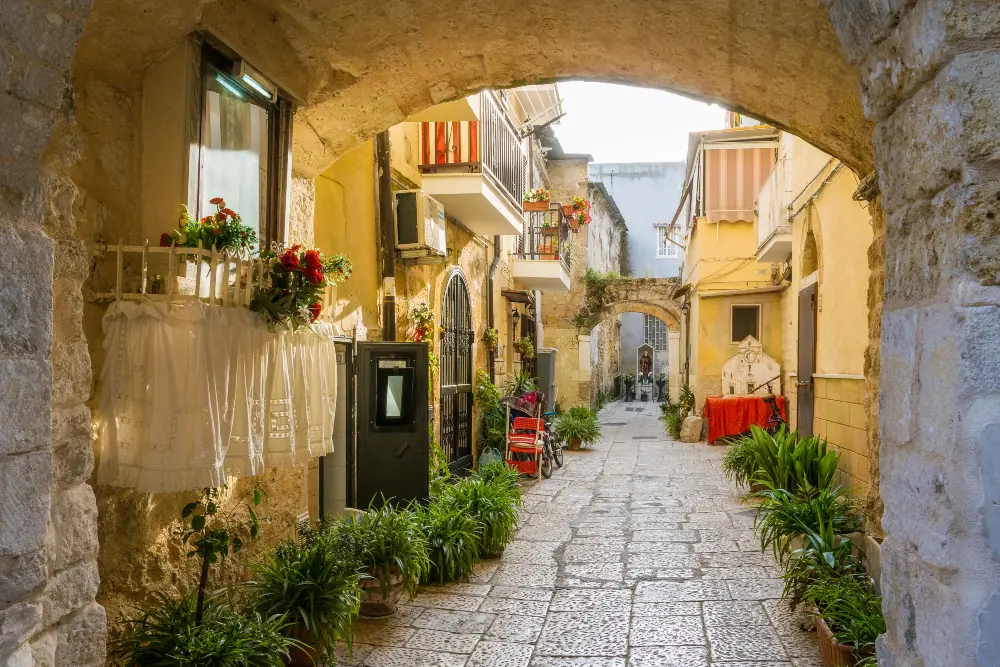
(568, 210)
(536, 200)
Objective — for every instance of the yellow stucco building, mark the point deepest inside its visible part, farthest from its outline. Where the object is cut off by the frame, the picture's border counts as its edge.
(774, 226)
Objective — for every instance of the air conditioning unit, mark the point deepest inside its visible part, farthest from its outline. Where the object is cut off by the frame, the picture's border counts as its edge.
(420, 226)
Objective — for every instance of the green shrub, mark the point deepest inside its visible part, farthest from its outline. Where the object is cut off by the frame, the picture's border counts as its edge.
(799, 466)
(314, 583)
(580, 423)
(852, 610)
(739, 465)
(520, 384)
(452, 537)
(824, 555)
(783, 516)
(494, 507)
(167, 634)
(390, 540)
(506, 477)
(672, 419)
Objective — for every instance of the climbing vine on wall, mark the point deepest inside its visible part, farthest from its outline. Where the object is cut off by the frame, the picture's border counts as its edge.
(598, 296)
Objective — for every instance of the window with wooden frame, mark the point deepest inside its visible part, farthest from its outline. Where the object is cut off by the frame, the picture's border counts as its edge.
(245, 144)
(745, 321)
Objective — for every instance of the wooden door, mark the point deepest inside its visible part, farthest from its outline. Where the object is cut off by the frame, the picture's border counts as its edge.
(807, 359)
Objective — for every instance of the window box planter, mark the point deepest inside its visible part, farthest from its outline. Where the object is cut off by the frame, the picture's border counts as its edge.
(535, 206)
(832, 653)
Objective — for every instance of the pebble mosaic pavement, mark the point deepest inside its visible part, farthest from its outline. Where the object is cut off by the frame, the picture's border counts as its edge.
(636, 553)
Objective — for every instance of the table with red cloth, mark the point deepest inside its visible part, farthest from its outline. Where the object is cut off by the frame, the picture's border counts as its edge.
(735, 415)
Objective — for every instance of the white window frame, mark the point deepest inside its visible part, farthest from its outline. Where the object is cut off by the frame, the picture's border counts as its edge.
(665, 248)
(652, 325)
(733, 307)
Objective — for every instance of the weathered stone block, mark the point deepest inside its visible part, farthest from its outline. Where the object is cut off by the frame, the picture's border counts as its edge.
(691, 429)
(39, 32)
(74, 517)
(898, 366)
(73, 452)
(23, 422)
(25, 483)
(20, 575)
(861, 25)
(69, 590)
(71, 373)
(925, 145)
(980, 350)
(40, 84)
(25, 303)
(43, 649)
(22, 139)
(72, 259)
(17, 624)
(989, 462)
(67, 311)
(83, 638)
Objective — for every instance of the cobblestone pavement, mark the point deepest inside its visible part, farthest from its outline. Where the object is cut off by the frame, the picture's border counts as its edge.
(636, 553)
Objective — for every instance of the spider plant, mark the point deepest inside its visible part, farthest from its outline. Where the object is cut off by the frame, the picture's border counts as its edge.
(586, 429)
(824, 554)
(453, 537)
(852, 611)
(582, 412)
(520, 384)
(167, 634)
(501, 474)
(786, 462)
(784, 515)
(390, 541)
(493, 506)
(314, 583)
(739, 465)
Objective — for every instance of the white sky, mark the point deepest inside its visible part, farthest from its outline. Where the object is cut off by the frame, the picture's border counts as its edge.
(617, 123)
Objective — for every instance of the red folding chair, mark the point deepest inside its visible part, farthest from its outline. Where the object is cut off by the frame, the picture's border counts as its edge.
(524, 437)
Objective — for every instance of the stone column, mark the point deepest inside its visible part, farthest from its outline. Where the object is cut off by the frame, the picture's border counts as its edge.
(930, 73)
(48, 534)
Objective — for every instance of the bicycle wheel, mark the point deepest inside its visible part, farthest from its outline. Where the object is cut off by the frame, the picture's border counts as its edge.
(557, 450)
(546, 461)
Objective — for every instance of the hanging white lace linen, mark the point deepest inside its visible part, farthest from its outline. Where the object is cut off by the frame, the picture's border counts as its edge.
(196, 392)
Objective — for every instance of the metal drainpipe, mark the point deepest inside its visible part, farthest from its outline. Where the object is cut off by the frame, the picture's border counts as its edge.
(490, 315)
(387, 227)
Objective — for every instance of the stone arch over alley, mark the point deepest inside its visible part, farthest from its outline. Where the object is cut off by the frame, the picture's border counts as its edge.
(73, 113)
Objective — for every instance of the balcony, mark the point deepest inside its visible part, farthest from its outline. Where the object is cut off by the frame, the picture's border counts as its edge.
(774, 229)
(477, 169)
(543, 257)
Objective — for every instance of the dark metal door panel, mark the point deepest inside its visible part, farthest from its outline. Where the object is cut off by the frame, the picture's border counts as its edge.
(805, 387)
(391, 461)
(456, 374)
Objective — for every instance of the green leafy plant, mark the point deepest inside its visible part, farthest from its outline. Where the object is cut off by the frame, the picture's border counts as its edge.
(525, 347)
(452, 537)
(852, 611)
(494, 507)
(686, 400)
(739, 465)
(223, 230)
(783, 516)
(168, 633)
(214, 535)
(824, 554)
(537, 195)
(423, 323)
(487, 394)
(501, 474)
(672, 419)
(313, 582)
(521, 384)
(599, 296)
(491, 337)
(390, 541)
(577, 424)
(798, 466)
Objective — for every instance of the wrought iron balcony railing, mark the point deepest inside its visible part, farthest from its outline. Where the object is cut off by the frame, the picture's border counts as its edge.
(546, 237)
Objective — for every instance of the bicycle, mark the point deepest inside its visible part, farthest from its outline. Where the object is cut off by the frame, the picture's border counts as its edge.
(554, 442)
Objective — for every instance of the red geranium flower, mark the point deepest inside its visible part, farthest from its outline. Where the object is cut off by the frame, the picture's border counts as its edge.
(217, 201)
(313, 260)
(315, 309)
(315, 276)
(165, 240)
(290, 260)
(228, 211)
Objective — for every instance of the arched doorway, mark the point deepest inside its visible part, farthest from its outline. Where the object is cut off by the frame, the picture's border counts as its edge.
(456, 373)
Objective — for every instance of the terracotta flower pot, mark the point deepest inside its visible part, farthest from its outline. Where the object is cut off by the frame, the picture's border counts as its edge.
(535, 205)
(308, 656)
(575, 444)
(568, 210)
(376, 605)
(574, 224)
(832, 653)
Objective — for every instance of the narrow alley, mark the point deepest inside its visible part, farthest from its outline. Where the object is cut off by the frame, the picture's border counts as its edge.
(637, 552)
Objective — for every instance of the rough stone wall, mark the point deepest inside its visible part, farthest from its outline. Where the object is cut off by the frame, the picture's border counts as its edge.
(876, 290)
(48, 547)
(300, 211)
(930, 73)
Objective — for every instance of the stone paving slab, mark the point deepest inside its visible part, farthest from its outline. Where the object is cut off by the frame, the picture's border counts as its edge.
(637, 553)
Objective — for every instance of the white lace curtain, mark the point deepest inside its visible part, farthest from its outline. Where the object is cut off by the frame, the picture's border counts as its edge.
(192, 393)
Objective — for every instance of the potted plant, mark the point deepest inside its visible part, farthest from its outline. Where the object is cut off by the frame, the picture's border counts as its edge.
(393, 555)
(493, 504)
(525, 347)
(520, 384)
(291, 295)
(579, 213)
(536, 200)
(848, 616)
(452, 536)
(313, 583)
(491, 337)
(661, 383)
(578, 427)
(423, 323)
(629, 385)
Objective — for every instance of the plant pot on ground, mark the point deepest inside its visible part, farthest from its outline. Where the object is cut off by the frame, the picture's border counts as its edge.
(575, 444)
(579, 427)
(834, 654)
(379, 595)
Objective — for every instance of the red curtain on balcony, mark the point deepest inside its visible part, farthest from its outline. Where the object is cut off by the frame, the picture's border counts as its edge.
(449, 143)
(733, 177)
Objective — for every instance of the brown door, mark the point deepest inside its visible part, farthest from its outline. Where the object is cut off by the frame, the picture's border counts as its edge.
(807, 359)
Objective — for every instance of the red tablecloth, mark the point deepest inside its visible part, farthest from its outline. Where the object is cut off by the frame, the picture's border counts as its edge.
(732, 416)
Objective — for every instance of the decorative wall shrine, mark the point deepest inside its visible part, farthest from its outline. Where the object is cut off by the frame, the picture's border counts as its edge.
(750, 371)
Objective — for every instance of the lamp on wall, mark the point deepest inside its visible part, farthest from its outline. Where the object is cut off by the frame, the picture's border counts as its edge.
(515, 316)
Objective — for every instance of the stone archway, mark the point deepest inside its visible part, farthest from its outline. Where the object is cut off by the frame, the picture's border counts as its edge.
(931, 95)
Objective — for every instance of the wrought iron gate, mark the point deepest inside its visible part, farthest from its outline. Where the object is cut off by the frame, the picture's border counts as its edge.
(456, 373)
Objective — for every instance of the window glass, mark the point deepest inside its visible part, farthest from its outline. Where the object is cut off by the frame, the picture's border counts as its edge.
(235, 146)
(655, 333)
(664, 248)
(746, 321)
(394, 397)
